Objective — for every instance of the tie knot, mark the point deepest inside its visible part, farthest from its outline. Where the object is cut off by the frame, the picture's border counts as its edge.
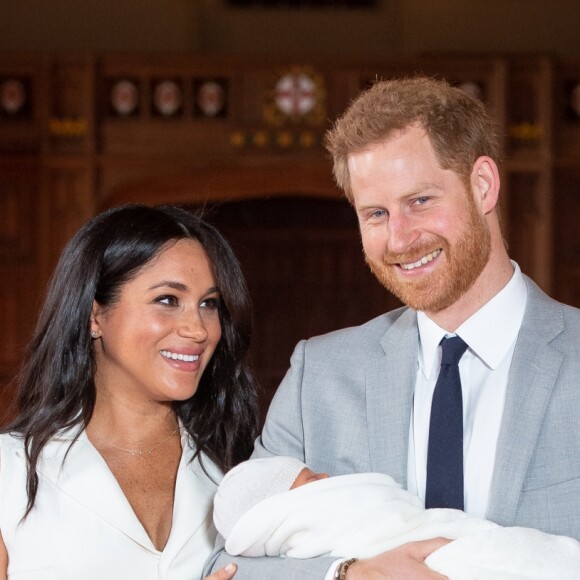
(452, 349)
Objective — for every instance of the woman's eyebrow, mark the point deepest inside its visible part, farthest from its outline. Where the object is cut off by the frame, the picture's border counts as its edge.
(181, 287)
(170, 284)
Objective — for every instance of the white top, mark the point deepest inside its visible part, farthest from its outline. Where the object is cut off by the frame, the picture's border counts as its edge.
(491, 335)
(82, 525)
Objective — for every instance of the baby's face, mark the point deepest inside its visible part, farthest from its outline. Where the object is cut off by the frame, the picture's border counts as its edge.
(307, 476)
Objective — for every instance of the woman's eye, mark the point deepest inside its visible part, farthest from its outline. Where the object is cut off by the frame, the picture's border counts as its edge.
(210, 303)
(167, 300)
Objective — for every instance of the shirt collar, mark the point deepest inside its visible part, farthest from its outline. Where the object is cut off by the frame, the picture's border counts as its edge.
(489, 332)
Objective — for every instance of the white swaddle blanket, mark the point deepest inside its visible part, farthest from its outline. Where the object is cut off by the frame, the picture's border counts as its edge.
(361, 515)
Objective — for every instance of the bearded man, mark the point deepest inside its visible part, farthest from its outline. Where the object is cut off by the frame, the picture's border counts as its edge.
(495, 431)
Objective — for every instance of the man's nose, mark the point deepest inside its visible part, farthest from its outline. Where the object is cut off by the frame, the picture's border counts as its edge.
(402, 233)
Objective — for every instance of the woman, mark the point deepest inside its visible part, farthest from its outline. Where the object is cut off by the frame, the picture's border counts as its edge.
(134, 398)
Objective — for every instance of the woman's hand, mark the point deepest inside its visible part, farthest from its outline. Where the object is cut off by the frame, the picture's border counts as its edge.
(223, 573)
(4, 561)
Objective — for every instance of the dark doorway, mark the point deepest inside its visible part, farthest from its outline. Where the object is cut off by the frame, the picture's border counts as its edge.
(305, 269)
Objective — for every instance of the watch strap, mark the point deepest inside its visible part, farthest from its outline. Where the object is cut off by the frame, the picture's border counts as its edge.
(343, 567)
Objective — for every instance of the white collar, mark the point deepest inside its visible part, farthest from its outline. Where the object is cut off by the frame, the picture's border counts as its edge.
(489, 332)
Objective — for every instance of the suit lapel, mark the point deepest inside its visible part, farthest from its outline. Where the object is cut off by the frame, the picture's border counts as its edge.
(390, 383)
(532, 376)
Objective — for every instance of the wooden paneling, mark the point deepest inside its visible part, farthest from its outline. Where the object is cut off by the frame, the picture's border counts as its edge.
(67, 185)
(69, 128)
(528, 222)
(18, 216)
(19, 264)
(567, 238)
(180, 183)
(22, 125)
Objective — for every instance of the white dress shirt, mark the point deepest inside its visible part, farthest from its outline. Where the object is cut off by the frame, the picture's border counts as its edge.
(490, 334)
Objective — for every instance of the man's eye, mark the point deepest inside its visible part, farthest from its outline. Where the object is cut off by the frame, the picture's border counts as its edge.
(168, 300)
(421, 200)
(379, 213)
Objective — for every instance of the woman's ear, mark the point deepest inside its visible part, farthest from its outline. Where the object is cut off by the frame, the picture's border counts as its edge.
(95, 326)
(485, 183)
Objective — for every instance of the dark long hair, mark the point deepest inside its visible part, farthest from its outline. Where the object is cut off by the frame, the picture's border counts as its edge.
(56, 388)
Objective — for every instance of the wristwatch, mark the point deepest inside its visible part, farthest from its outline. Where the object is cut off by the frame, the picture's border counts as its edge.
(342, 569)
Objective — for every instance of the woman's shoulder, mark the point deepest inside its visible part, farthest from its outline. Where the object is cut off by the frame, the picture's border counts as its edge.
(12, 455)
(11, 441)
(12, 446)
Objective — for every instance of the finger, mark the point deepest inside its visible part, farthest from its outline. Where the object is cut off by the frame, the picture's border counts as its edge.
(424, 548)
(224, 573)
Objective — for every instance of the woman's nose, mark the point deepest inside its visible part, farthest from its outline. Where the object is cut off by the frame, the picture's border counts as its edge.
(192, 326)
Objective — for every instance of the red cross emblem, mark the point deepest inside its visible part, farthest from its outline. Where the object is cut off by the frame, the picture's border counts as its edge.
(295, 94)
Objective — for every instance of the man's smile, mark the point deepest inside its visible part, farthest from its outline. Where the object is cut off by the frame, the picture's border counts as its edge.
(422, 261)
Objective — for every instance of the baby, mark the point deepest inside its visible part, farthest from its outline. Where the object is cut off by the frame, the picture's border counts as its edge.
(279, 507)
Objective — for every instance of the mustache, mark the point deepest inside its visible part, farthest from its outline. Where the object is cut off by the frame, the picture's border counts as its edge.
(412, 254)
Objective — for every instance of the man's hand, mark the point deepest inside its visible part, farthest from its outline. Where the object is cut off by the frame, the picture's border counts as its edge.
(224, 573)
(406, 561)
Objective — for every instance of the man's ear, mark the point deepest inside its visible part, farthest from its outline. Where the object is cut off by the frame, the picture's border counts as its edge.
(485, 183)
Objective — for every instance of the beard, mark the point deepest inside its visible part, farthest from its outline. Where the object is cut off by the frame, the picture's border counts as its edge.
(434, 292)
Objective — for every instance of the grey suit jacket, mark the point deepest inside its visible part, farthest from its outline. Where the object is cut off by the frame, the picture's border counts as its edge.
(345, 406)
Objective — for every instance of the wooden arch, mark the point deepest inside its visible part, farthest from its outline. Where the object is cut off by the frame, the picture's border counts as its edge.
(230, 183)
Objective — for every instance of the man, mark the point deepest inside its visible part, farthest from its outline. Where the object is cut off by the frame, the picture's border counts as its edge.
(417, 160)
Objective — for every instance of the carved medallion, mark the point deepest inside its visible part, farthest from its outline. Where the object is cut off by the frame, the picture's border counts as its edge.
(299, 96)
(167, 98)
(124, 98)
(12, 96)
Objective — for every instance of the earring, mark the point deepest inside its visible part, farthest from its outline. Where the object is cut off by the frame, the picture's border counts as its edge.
(94, 334)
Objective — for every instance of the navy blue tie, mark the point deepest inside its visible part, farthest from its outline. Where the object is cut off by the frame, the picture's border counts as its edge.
(445, 451)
